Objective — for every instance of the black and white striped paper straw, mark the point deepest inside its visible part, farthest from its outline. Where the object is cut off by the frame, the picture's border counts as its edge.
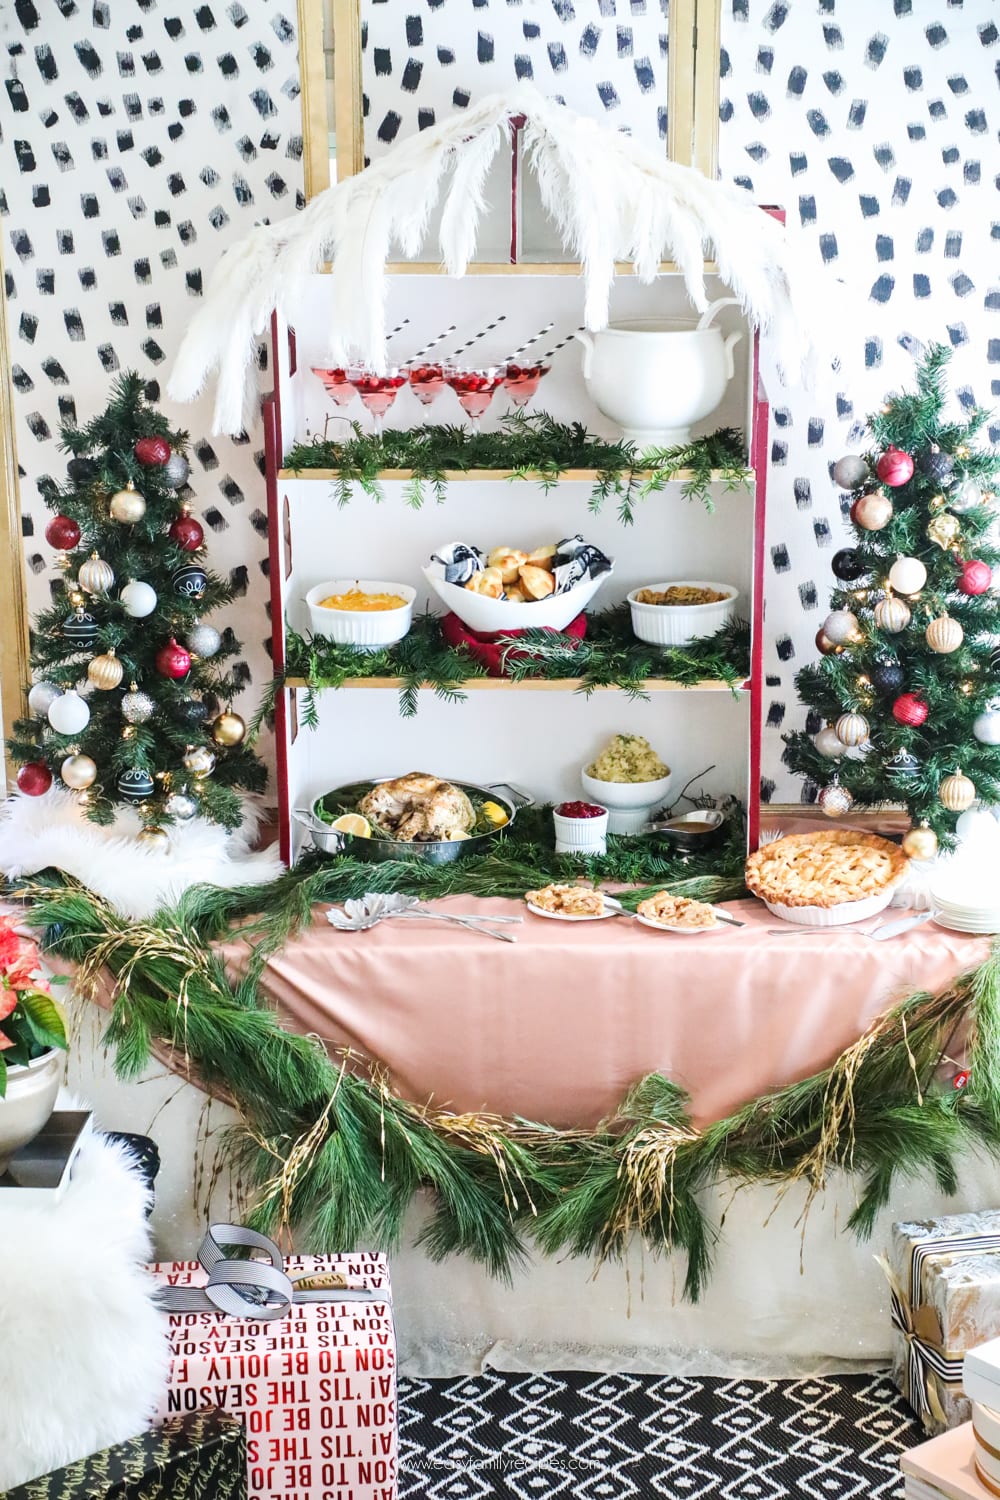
(561, 344)
(528, 342)
(481, 335)
(398, 329)
(434, 341)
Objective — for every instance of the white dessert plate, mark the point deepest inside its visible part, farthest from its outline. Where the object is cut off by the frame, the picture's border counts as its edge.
(682, 931)
(567, 916)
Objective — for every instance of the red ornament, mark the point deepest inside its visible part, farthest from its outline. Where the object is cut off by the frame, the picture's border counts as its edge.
(961, 1079)
(34, 778)
(910, 710)
(172, 660)
(894, 467)
(187, 533)
(62, 533)
(975, 578)
(152, 451)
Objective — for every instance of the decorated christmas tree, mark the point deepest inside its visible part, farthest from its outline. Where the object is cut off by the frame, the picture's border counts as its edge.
(906, 700)
(131, 701)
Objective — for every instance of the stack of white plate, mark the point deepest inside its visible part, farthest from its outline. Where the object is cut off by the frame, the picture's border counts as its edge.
(962, 909)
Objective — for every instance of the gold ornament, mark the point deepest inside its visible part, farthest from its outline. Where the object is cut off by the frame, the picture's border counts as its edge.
(945, 531)
(938, 503)
(154, 838)
(106, 671)
(199, 760)
(77, 599)
(78, 771)
(892, 615)
(228, 729)
(872, 512)
(852, 729)
(944, 635)
(96, 576)
(825, 646)
(127, 505)
(956, 792)
(920, 843)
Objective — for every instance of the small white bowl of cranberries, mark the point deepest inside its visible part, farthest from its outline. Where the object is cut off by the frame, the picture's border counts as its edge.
(581, 828)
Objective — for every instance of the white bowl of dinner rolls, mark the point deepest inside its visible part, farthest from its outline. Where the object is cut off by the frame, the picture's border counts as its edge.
(525, 600)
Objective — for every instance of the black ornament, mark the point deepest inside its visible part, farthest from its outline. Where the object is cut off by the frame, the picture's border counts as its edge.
(847, 564)
(80, 629)
(937, 465)
(82, 470)
(886, 678)
(190, 581)
(902, 766)
(195, 711)
(995, 661)
(135, 785)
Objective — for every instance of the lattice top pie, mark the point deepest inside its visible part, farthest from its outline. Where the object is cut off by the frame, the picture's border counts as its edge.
(824, 869)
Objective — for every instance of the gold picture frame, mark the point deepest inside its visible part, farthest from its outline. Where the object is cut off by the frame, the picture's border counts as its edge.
(14, 649)
(693, 87)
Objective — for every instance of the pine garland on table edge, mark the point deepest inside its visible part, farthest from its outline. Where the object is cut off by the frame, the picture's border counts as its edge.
(327, 1146)
(532, 446)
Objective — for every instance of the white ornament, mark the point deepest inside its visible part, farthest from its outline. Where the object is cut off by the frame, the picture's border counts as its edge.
(138, 599)
(986, 727)
(851, 729)
(977, 823)
(850, 471)
(841, 627)
(829, 743)
(41, 698)
(944, 635)
(908, 575)
(965, 496)
(69, 714)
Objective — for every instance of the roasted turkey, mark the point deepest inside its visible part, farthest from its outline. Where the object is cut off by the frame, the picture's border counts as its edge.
(419, 808)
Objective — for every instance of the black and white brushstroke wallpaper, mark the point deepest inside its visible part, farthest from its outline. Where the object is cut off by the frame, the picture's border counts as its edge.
(140, 139)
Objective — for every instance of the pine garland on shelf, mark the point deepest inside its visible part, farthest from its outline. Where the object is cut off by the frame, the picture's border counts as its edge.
(326, 1144)
(609, 655)
(531, 446)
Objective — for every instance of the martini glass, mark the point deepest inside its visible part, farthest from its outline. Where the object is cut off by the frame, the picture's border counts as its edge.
(427, 382)
(521, 381)
(378, 392)
(475, 388)
(336, 384)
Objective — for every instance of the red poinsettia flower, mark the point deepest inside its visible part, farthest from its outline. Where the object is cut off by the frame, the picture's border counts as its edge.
(8, 999)
(10, 943)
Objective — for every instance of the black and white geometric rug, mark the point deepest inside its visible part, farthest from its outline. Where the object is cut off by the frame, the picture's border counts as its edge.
(610, 1437)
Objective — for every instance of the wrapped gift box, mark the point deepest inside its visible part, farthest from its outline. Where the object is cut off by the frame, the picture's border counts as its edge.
(944, 1468)
(316, 1389)
(198, 1457)
(945, 1278)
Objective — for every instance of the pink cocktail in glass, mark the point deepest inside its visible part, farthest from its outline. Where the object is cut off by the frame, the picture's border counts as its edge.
(378, 392)
(475, 389)
(521, 382)
(427, 382)
(337, 385)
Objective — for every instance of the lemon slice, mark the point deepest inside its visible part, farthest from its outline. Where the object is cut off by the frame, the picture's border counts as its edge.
(494, 814)
(353, 823)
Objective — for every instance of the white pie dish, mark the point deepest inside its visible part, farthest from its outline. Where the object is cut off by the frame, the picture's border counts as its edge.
(832, 916)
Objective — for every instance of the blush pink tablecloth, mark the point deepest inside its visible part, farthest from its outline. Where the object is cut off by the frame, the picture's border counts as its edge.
(558, 1026)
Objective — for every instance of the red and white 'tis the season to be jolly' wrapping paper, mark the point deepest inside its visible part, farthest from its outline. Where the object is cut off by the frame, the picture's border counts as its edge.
(316, 1390)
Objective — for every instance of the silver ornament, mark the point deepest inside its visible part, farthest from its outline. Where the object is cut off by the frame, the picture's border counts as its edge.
(41, 698)
(95, 575)
(850, 471)
(835, 800)
(180, 806)
(137, 708)
(965, 496)
(203, 640)
(986, 727)
(199, 760)
(175, 471)
(842, 628)
(829, 743)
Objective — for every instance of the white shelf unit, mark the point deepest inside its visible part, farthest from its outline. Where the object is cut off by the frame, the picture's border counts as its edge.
(536, 735)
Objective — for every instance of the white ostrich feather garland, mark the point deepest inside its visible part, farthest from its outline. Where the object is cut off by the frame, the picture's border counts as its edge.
(608, 197)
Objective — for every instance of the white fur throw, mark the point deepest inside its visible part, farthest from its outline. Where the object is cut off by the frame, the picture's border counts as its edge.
(51, 832)
(83, 1356)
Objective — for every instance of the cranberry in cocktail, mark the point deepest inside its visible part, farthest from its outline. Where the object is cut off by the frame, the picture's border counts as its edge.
(427, 382)
(521, 381)
(378, 392)
(337, 385)
(475, 389)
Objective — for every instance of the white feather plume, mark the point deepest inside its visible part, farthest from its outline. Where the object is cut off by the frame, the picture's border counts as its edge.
(608, 197)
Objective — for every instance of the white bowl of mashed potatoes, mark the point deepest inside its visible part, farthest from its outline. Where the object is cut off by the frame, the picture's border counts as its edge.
(367, 613)
(630, 780)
